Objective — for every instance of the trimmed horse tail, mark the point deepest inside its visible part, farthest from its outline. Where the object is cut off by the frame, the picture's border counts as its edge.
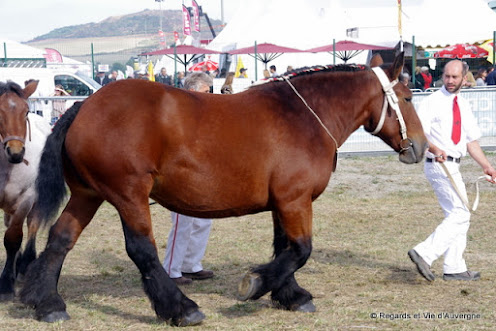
(50, 183)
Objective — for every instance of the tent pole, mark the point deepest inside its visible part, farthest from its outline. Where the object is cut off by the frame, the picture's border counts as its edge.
(256, 75)
(175, 65)
(414, 60)
(334, 51)
(494, 48)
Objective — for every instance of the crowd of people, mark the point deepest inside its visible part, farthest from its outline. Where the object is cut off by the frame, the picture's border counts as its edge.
(424, 79)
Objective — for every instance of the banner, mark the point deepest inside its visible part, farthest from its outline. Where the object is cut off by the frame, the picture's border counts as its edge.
(161, 37)
(52, 56)
(186, 22)
(150, 73)
(196, 16)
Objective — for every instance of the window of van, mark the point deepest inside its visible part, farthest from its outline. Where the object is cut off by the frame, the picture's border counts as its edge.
(72, 85)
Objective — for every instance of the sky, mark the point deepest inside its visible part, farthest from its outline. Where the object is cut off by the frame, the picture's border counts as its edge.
(23, 20)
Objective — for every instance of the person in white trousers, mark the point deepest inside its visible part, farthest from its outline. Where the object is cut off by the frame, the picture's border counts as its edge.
(188, 236)
(451, 130)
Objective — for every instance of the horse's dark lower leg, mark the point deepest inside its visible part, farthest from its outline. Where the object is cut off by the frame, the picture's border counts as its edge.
(278, 275)
(40, 289)
(12, 242)
(169, 303)
(27, 256)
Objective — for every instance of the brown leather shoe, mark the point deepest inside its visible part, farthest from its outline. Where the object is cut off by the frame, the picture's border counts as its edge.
(182, 280)
(200, 275)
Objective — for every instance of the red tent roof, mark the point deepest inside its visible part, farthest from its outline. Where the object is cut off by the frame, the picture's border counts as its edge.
(265, 48)
(346, 45)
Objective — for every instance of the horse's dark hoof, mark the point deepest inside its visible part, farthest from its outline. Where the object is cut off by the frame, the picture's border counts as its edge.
(193, 318)
(56, 316)
(6, 297)
(249, 286)
(308, 307)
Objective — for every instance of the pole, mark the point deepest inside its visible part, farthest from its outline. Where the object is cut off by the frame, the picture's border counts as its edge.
(414, 60)
(494, 48)
(93, 61)
(334, 51)
(222, 11)
(256, 68)
(5, 53)
(175, 66)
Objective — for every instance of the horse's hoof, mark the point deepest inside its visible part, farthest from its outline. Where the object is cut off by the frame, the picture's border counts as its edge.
(5, 297)
(308, 307)
(56, 316)
(249, 286)
(193, 318)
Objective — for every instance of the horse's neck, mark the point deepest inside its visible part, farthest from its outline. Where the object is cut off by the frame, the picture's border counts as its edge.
(344, 119)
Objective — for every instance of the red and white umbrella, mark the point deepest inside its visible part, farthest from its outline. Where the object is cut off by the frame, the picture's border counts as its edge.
(211, 66)
(462, 51)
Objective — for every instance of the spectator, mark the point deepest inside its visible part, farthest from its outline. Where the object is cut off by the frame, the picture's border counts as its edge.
(163, 78)
(273, 71)
(480, 77)
(227, 86)
(58, 106)
(426, 75)
(188, 236)
(419, 79)
(470, 80)
(266, 74)
(491, 76)
(242, 73)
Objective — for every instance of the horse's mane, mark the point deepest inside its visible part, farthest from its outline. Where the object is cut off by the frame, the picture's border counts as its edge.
(314, 69)
(11, 87)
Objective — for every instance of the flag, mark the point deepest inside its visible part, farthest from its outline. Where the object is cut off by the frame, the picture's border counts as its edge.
(196, 16)
(186, 22)
(239, 65)
(53, 55)
(161, 36)
(151, 75)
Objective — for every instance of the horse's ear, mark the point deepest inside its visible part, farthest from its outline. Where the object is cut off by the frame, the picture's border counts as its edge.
(376, 61)
(397, 66)
(30, 88)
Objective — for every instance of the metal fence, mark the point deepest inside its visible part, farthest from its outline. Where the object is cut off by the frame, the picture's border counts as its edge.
(482, 101)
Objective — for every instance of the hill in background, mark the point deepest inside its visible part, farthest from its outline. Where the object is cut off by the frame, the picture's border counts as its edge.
(119, 38)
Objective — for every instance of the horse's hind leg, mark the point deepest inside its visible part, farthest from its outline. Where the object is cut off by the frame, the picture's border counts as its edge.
(292, 247)
(40, 289)
(169, 302)
(27, 256)
(12, 242)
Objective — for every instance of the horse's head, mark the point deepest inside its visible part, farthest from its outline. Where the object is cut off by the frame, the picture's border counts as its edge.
(394, 118)
(13, 114)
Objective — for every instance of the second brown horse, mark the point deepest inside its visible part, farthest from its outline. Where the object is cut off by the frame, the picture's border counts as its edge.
(210, 156)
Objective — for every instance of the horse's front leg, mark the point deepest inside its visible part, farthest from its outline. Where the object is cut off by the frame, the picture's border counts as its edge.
(292, 247)
(27, 256)
(170, 304)
(12, 242)
(40, 289)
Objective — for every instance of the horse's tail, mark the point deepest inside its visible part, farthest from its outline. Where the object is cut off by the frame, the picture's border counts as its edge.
(50, 183)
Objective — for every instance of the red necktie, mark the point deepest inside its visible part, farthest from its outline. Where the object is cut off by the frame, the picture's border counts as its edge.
(457, 122)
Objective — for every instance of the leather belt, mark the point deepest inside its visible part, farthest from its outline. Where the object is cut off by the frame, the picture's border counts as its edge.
(449, 158)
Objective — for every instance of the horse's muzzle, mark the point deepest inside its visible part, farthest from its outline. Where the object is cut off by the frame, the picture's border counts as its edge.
(15, 154)
(412, 151)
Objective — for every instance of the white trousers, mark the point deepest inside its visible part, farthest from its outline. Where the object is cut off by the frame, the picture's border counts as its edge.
(186, 245)
(450, 237)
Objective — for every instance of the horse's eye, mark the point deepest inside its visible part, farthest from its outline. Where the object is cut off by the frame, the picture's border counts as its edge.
(408, 99)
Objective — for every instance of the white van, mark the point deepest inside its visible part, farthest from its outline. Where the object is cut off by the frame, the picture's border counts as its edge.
(76, 84)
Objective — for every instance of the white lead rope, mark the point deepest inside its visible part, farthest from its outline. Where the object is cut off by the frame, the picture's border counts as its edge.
(460, 195)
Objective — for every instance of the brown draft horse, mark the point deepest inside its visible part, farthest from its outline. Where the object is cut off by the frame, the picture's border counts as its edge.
(22, 146)
(208, 156)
